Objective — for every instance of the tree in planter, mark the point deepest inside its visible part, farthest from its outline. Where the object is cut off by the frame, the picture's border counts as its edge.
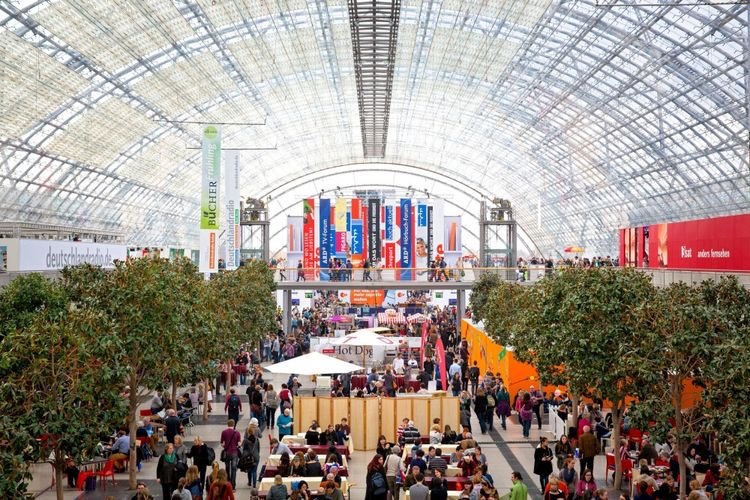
(61, 386)
(604, 336)
(680, 329)
(727, 380)
(24, 297)
(529, 319)
(481, 292)
(152, 305)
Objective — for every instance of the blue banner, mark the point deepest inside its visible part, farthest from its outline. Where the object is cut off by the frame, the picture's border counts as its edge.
(421, 215)
(406, 237)
(357, 230)
(389, 223)
(324, 212)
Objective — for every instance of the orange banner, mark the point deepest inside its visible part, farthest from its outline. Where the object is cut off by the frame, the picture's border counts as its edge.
(367, 297)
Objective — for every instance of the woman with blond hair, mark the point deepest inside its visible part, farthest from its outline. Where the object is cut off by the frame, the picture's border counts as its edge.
(213, 476)
(199, 453)
(436, 437)
(193, 482)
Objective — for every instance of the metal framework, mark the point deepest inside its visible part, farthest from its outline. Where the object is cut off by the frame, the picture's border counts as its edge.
(374, 27)
(588, 118)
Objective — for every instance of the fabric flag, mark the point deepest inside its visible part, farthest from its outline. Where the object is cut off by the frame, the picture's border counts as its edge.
(325, 236)
(210, 199)
(440, 361)
(424, 340)
(308, 237)
(232, 212)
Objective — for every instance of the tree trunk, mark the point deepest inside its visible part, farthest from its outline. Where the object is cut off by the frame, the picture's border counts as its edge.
(677, 403)
(616, 416)
(174, 395)
(205, 400)
(59, 465)
(574, 412)
(133, 403)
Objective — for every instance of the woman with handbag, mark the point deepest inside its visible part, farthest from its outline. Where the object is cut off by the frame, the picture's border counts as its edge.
(502, 403)
(562, 451)
(543, 462)
(250, 456)
(165, 471)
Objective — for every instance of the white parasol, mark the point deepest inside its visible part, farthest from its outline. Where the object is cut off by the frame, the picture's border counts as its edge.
(313, 364)
(368, 337)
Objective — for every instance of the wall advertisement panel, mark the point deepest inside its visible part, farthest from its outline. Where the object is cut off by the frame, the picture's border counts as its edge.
(49, 255)
(210, 199)
(340, 214)
(452, 242)
(721, 243)
(232, 213)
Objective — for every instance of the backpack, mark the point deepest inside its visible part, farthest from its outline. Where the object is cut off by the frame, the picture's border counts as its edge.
(272, 400)
(526, 413)
(491, 400)
(211, 454)
(378, 484)
(234, 402)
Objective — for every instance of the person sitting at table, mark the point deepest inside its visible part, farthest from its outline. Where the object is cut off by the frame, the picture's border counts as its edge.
(466, 491)
(436, 437)
(277, 448)
(298, 465)
(468, 466)
(332, 474)
(157, 404)
(285, 465)
(438, 487)
(312, 464)
(312, 436)
(120, 451)
(419, 461)
(645, 474)
(449, 435)
(648, 452)
(278, 490)
(332, 450)
(330, 489)
(284, 423)
(457, 455)
(341, 435)
(328, 436)
(411, 477)
(643, 492)
(410, 435)
(487, 490)
(437, 462)
(712, 475)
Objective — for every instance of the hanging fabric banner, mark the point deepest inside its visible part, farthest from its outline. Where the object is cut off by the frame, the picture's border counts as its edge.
(232, 214)
(406, 238)
(421, 346)
(308, 237)
(210, 199)
(325, 237)
(440, 362)
(373, 230)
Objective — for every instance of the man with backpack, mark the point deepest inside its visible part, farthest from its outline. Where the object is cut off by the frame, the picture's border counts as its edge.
(233, 405)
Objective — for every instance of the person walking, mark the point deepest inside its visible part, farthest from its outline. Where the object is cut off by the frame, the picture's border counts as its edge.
(230, 441)
(271, 401)
(519, 491)
(250, 455)
(233, 405)
(480, 408)
(537, 399)
(589, 446)
(393, 469)
(526, 413)
(165, 471)
(375, 482)
(502, 403)
(543, 462)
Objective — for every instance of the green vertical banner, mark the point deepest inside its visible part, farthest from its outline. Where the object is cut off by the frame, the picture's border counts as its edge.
(210, 198)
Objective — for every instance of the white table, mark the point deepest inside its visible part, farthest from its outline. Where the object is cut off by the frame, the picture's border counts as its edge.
(294, 439)
(274, 460)
(451, 494)
(312, 482)
(452, 471)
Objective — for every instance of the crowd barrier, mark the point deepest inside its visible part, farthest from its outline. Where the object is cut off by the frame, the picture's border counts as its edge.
(370, 417)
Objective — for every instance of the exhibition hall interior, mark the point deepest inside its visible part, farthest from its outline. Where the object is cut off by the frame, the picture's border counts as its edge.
(374, 249)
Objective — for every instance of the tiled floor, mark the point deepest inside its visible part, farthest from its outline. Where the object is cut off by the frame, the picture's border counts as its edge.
(505, 451)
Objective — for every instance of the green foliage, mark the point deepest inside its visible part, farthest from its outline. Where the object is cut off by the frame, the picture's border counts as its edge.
(24, 297)
(480, 295)
(727, 380)
(59, 389)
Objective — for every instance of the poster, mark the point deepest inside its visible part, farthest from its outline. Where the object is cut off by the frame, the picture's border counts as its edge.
(294, 255)
(232, 213)
(210, 198)
(341, 214)
(3, 258)
(420, 241)
(46, 255)
(308, 237)
(452, 245)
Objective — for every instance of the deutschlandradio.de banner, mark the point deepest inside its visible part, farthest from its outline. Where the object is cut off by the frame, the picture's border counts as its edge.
(232, 214)
(43, 255)
(209, 228)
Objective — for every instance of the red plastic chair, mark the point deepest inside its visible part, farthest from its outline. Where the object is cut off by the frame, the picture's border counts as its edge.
(635, 436)
(107, 471)
(610, 467)
(146, 413)
(82, 477)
